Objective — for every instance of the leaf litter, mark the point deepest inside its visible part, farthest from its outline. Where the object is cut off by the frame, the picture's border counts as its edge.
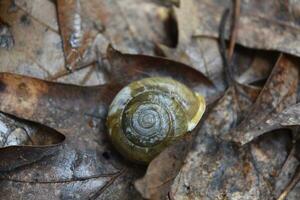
(54, 143)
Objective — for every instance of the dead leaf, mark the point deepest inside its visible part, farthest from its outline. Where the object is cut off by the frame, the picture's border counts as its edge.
(270, 25)
(162, 170)
(22, 144)
(126, 68)
(278, 93)
(200, 53)
(37, 47)
(259, 69)
(285, 176)
(217, 169)
(87, 27)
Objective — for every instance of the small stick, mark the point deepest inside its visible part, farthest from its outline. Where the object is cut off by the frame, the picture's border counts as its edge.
(291, 185)
(66, 72)
(234, 28)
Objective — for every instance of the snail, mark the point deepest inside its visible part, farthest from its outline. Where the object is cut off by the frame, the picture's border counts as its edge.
(150, 114)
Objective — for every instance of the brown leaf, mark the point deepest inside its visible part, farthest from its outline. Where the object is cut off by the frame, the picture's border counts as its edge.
(53, 104)
(126, 68)
(37, 47)
(87, 27)
(79, 113)
(23, 144)
(199, 53)
(76, 40)
(278, 93)
(259, 69)
(163, 169)
(270, 25)
(285, 176)
(75, 188)
(216, 169)
(44, 12)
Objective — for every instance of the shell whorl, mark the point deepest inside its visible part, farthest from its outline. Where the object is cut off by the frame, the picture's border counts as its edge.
(149, 118)
(149, 114)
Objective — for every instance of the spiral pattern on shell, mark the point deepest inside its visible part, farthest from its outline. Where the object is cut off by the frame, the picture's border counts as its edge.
(148, 118)
(148, 115)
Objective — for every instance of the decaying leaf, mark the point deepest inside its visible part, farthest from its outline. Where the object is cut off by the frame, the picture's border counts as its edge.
(263, 25)
(22, 144)
(221, 165)
(200, 53)
(287, 173)
(279, 92)
(87, 27)
(163, 169)
(37, 47)
(259, 69)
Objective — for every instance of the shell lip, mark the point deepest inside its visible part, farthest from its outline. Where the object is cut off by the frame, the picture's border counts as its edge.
(196, 118)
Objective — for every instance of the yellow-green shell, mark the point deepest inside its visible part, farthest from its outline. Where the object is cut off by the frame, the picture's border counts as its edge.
(148, 115)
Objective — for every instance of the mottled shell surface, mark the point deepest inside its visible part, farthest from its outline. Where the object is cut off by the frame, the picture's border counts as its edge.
(150, 114)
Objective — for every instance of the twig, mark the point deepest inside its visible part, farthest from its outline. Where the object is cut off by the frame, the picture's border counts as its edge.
(88, 75)
(98, 193)
(234, 28)
(66, 72)
(222, 46)
(291, 185)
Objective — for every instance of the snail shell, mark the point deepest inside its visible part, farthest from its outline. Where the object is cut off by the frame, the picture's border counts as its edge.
(148, 115)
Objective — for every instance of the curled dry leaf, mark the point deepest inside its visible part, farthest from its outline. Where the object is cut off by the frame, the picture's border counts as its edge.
(163, 169)
(279, 92)
(22, 144)
(126, 68)
(259, 69)
(285, 177)
(200, 53)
